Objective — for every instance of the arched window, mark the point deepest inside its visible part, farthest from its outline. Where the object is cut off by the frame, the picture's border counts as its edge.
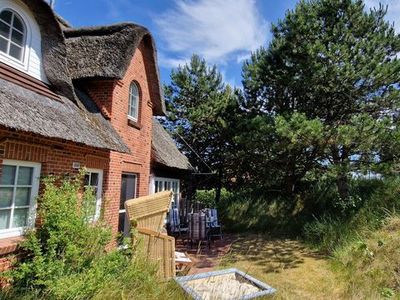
(12, 34)
(133, 110)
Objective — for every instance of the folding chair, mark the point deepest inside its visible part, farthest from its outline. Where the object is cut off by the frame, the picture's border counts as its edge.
(215, 228)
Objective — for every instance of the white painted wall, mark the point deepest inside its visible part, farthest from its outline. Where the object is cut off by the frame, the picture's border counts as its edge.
(32, 62)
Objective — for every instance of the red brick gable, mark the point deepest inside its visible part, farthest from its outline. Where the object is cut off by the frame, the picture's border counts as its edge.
(136, 136)
(101, 91)
(112, 97)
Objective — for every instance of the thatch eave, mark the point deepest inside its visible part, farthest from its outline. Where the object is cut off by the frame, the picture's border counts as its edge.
(165, 153)
(80, 122)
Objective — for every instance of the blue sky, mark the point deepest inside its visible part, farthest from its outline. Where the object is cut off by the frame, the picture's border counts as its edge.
(222, 31)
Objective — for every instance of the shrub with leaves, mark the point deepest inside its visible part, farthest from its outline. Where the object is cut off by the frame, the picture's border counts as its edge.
(66, 255)
(207, 197)
(67, 241)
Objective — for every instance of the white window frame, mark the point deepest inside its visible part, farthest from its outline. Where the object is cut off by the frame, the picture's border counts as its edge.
(99, 194)
(18, 231)
(132, 98)
(24, 63)
(171, 181)
(9, 40)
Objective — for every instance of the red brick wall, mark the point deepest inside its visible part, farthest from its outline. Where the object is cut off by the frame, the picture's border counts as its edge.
(55, 157)
(137, 136)
(101, 92)
(112, 97)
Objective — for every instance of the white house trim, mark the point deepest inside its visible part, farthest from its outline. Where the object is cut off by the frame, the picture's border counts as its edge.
(31, 63)
(12, 232)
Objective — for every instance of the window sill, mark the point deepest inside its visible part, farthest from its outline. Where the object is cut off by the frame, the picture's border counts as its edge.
(10, 245)
(134, 124)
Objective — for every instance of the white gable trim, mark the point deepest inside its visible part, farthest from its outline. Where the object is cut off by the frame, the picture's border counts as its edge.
(32, 63)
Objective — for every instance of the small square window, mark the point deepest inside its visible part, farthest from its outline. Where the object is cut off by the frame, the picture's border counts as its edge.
(22, 196)
(4, 30)
(17, 37)
(3, 44)
(6, 16)
(20, 217)
(25, 176)
(7, 175)
(6, 196)
(16, 51)
(5, 218)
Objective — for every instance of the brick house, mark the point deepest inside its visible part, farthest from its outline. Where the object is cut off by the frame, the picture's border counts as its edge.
(73, 98)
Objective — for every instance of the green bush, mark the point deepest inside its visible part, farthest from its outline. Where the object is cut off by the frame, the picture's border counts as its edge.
(66, 242)
(66, 255)
(207, 197)
(247, 210)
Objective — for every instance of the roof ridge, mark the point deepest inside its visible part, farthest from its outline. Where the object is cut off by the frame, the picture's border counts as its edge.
(101, 30)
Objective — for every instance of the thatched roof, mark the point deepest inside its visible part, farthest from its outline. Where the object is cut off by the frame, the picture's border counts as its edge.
(164, 150)
(70, 55)
(106, 52)
(63, 23)
(24, 110)
(54, 51)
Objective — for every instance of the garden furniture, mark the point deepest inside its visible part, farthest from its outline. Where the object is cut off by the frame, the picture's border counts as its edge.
(147, 216)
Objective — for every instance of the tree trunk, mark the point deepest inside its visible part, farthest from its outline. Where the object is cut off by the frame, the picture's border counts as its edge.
(340, 158)
(342, 183)
(218, 186)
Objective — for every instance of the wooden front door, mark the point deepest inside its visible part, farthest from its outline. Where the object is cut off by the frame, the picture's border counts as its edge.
(128, 191)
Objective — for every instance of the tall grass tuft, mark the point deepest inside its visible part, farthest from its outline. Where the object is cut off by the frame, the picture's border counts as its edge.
(331, 231)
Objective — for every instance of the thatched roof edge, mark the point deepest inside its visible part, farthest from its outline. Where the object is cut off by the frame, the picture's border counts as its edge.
(54, 50)
(164, 150)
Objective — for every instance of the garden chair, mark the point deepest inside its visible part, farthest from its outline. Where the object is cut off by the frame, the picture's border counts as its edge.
(175, 222)
(147, 215)
(215, 228)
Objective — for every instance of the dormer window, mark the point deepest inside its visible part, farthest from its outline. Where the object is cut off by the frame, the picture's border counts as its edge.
(12, 34)
(133, 109)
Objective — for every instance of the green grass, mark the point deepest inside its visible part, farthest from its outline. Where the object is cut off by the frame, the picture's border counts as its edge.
(370, 264)
(363, 268)
(112, 277)
(296, 271)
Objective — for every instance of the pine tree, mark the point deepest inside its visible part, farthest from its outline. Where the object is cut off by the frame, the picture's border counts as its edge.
(201, 110)
(334, 62)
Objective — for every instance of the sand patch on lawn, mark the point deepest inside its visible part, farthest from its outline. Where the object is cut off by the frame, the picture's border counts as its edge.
(223, 287)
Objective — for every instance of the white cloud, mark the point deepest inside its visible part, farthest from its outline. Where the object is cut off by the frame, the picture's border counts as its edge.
(242, 57)
(218, 30)
(117, 8)
(393, 14)
(170, 62)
